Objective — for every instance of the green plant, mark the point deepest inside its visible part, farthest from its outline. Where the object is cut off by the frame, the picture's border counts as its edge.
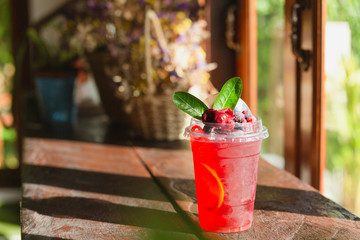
(5, 44)
(10, 221)
(6, 59)
(349, 11)
(52, 50)
(270, 85)
(343, 130)
(343, 113)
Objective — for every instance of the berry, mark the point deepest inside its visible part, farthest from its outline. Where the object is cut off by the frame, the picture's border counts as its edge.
(239, 117)
(225, 116)
(209, 115)
(218, 116)
(251, 118)
(197, 129)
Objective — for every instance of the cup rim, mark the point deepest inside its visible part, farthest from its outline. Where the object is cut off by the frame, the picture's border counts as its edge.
(242, 132)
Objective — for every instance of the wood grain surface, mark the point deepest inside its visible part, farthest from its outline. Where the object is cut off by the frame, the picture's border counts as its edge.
(285, 207)
(77, 190)
(74, 190)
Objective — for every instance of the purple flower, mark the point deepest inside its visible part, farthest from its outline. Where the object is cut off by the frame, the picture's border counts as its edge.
(91, 4)
(167, 2)
(181, 38)
(201, 65)
(108, 5)
(112, 49)
(161, 14)
(183, 6)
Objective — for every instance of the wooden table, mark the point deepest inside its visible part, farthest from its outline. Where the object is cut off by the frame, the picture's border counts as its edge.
(74, 190)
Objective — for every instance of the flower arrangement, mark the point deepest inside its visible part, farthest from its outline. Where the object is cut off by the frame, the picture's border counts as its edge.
(140, 52)
(177, 59)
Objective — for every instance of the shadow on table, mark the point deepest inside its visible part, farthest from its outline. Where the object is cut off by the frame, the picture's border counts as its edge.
(280, 199)
(38, 237)
(299, 201)
(90, 181)
(267, 197)
(104, 211)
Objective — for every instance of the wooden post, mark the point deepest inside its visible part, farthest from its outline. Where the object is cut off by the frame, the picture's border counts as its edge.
(246, 59)
(19, 24)
(216, 48)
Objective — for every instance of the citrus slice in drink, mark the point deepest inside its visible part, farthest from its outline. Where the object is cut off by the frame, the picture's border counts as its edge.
(212, 190)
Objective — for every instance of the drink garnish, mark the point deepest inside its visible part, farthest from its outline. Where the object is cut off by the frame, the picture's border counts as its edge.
(228, 97)
(190, 104)
(216, 197)
(229, 94)
(228, 109)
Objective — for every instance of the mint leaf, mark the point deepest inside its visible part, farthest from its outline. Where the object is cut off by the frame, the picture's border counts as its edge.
(229, 94)
(189, 104)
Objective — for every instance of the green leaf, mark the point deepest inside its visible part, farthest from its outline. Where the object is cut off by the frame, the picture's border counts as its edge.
(189, 104)
(229, 94)
(43, 51)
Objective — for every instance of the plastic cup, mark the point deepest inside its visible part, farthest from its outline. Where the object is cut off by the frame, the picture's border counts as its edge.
(226, 167)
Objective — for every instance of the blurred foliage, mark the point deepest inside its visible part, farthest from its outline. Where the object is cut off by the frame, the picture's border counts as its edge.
(51, 45)
(6, 58)
(270, 17)
(9, 212)
(270, 29)
(343, 101)
(5, 44)
(349, 11)
(10, 156)
(7, 71)
(343, 107)
(10, 221)
(343, 130)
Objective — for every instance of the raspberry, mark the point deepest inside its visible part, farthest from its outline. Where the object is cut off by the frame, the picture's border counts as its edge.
(197, 129)
(218, 116)
(225, 116)
(209, 115)
(251, 118)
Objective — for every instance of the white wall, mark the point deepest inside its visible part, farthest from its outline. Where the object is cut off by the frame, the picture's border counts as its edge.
(40, 8)
(337, 46)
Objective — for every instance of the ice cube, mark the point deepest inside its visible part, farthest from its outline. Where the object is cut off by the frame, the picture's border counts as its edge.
(241, 106)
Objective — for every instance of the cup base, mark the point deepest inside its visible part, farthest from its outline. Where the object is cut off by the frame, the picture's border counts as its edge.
(228, 230)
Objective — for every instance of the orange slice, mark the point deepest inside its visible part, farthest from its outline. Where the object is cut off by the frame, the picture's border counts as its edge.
(212, 189)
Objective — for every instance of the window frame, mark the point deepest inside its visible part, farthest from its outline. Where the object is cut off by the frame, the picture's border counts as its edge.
(304, 110)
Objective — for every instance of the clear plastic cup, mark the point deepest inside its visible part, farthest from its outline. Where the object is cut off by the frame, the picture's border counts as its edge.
(226, 166)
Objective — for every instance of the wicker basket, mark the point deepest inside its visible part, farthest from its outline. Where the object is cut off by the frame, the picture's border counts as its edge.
(154, 116)
(151, 116)
(157, 118)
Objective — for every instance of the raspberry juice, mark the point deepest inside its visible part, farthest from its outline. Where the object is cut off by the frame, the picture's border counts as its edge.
(225, 176)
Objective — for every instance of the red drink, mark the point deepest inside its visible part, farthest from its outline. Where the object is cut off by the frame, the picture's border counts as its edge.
(225, 175)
